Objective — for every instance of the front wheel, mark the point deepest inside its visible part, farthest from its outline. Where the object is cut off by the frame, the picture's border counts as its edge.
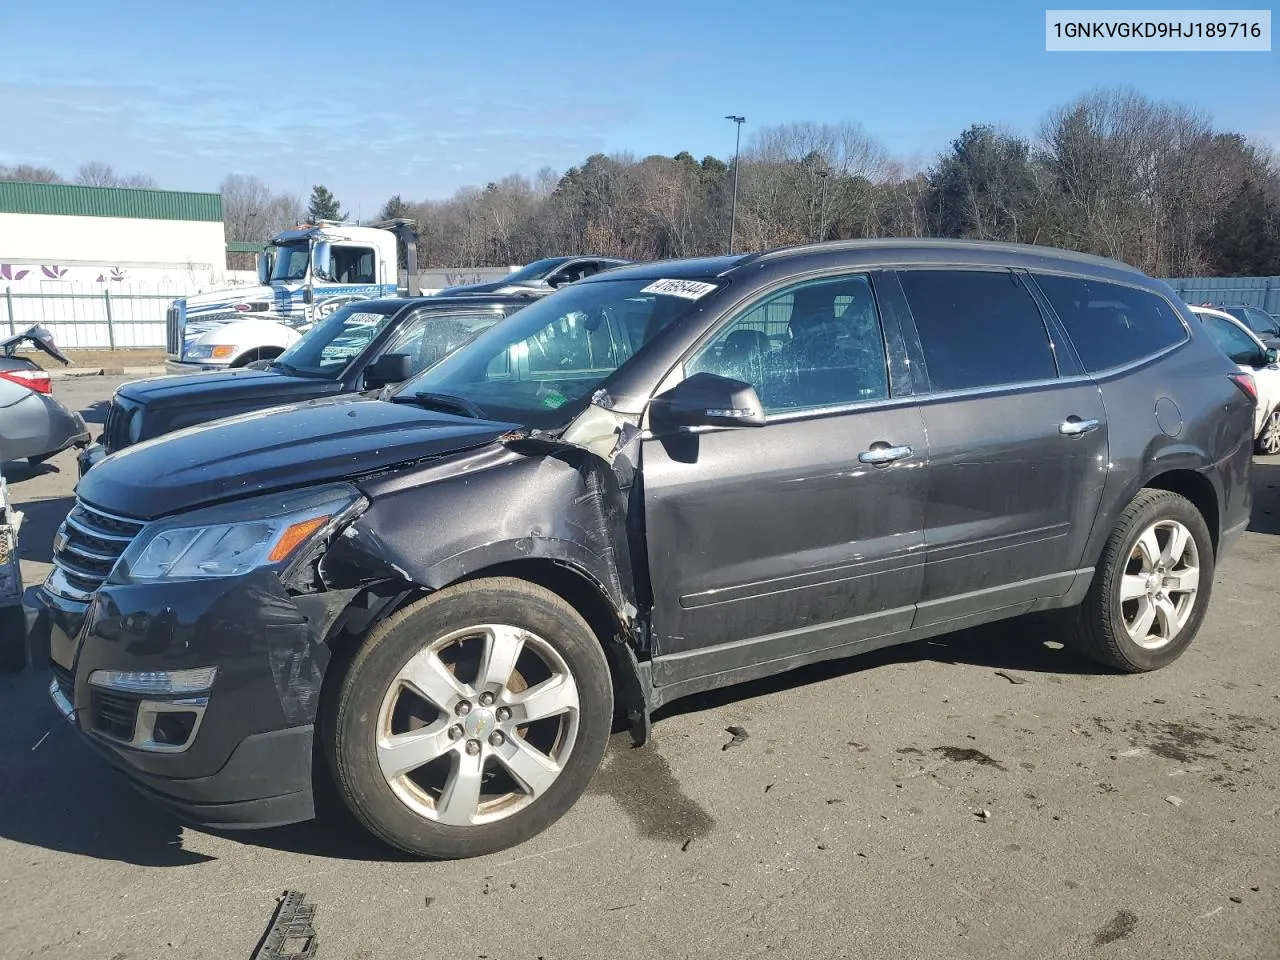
(1269, 438)
(1150, 591)
(472, 720)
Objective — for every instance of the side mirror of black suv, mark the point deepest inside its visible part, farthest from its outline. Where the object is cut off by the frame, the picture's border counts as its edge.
(388, 368)
(1272, 355)
(706, 400)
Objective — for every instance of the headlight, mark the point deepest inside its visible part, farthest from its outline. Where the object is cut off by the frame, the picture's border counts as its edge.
(234, 538)
(135, 425)
(206, 351)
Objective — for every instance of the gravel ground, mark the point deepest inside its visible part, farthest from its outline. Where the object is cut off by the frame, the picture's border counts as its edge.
(1126, 816)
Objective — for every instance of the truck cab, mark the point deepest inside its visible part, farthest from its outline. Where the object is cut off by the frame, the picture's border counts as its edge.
(304, 274)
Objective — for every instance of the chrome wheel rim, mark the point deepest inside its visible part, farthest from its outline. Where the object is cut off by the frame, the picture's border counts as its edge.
(1270, 438)
(477, 725)
(1160, 584)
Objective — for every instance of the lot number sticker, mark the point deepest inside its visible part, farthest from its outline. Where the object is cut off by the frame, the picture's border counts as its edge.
(689, 289)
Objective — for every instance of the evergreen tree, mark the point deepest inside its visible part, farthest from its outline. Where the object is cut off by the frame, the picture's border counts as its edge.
(323, 205)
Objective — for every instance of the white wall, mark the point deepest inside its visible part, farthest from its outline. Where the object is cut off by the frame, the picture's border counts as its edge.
(111, 241)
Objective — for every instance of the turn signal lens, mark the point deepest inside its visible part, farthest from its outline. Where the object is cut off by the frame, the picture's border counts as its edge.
(295, 535)
(222, 352)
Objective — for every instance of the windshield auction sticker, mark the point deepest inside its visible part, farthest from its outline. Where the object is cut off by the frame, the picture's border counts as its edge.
(689, 289)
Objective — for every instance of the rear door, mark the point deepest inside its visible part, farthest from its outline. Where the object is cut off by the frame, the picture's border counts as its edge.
(1017, 444)
(805, 534)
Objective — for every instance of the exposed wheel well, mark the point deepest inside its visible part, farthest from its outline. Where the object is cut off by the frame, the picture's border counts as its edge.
(594, 607)
(258, 353)
(1196, 488)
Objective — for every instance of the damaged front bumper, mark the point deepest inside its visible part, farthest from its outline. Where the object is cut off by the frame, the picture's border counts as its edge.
(237, 754)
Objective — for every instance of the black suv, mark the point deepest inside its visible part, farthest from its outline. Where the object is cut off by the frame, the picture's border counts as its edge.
(660, 480)
(361, 346)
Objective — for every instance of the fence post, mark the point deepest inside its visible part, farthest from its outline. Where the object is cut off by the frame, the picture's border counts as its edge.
(8, 299)
(111, 330)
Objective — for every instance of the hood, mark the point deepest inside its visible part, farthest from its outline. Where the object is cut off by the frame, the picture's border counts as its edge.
(214, 389)
(216, 300)
(275, 449)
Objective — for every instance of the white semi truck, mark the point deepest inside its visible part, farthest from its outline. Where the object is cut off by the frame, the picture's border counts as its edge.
(304, 274)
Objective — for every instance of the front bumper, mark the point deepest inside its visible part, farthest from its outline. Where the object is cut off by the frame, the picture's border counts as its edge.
(173, 365)
(248, 760)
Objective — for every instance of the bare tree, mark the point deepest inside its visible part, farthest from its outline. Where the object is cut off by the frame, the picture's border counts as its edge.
(30, 174)
(98, 174)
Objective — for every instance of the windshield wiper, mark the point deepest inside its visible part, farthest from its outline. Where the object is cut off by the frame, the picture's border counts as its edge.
(449, 404)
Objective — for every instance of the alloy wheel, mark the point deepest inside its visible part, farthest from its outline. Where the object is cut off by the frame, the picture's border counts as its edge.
(477, 725)
(1160, 584)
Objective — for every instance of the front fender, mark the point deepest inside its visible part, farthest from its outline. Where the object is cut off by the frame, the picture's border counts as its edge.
(445, 521)
(250, 334)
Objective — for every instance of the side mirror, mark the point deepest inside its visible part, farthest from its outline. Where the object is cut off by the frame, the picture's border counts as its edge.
(322, 261)
(388, 368)
(264, 268)
(1269, 356)
(706, 400)
(558, 280)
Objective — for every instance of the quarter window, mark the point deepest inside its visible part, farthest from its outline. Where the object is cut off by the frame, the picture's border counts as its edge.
(1109, 324)
(978, 328)
(818, 344)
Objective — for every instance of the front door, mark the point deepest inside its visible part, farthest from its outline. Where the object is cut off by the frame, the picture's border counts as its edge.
(803, 535)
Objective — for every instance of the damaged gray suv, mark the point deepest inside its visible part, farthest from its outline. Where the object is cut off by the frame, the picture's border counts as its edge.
(666, 478)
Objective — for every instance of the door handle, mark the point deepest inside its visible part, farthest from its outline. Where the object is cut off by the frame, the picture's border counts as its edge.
(1075, 427)
(883, 455)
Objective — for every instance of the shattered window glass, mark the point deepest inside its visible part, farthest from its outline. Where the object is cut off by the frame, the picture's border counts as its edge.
(817, 344)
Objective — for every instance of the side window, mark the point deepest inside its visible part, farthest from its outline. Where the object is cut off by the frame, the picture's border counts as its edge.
(817, 344)
(1232, 341)
(978, 328)
(354, 265)
(1110, 324)
(429, 337)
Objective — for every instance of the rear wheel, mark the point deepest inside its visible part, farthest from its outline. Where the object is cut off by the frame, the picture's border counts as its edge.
(1150, 592)
(1269, 438)
(472, 720)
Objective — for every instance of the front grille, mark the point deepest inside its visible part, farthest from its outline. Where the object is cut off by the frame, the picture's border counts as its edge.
(173, 331)
(115, 430)
(113, 714)
(86, 548)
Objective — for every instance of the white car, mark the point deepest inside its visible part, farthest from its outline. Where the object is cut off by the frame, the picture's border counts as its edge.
(1252, 356)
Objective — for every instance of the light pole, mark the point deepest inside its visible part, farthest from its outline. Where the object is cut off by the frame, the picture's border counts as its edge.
(733, 214)
(822, 207)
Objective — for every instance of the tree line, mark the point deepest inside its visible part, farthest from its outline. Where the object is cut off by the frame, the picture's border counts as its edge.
(1151, 183)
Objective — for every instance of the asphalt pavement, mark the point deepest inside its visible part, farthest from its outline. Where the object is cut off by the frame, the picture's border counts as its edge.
(985, 794)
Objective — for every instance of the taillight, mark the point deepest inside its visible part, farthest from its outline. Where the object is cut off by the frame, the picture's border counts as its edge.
(1246, 384)
(37, 380)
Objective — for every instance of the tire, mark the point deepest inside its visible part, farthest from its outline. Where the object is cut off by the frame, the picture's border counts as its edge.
(1109, 628)
(441, 641)
(1268, 443)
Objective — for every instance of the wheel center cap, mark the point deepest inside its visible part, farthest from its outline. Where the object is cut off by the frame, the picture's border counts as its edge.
(479, 723)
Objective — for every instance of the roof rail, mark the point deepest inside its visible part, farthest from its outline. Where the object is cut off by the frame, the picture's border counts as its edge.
(779, 253)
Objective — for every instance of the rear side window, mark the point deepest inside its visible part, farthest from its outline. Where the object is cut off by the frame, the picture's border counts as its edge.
(978, 328)
(1110, 324)
(1231, 340)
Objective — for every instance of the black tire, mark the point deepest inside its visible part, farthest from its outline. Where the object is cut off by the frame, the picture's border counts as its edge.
(1096, 627)
(348, 734)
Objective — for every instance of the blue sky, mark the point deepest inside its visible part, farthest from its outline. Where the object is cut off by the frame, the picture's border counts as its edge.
(374, 97)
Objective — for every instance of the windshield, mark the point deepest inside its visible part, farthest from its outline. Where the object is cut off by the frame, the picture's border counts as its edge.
(290, 261)
(541, 366)
(328, 347)
(538, 270)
